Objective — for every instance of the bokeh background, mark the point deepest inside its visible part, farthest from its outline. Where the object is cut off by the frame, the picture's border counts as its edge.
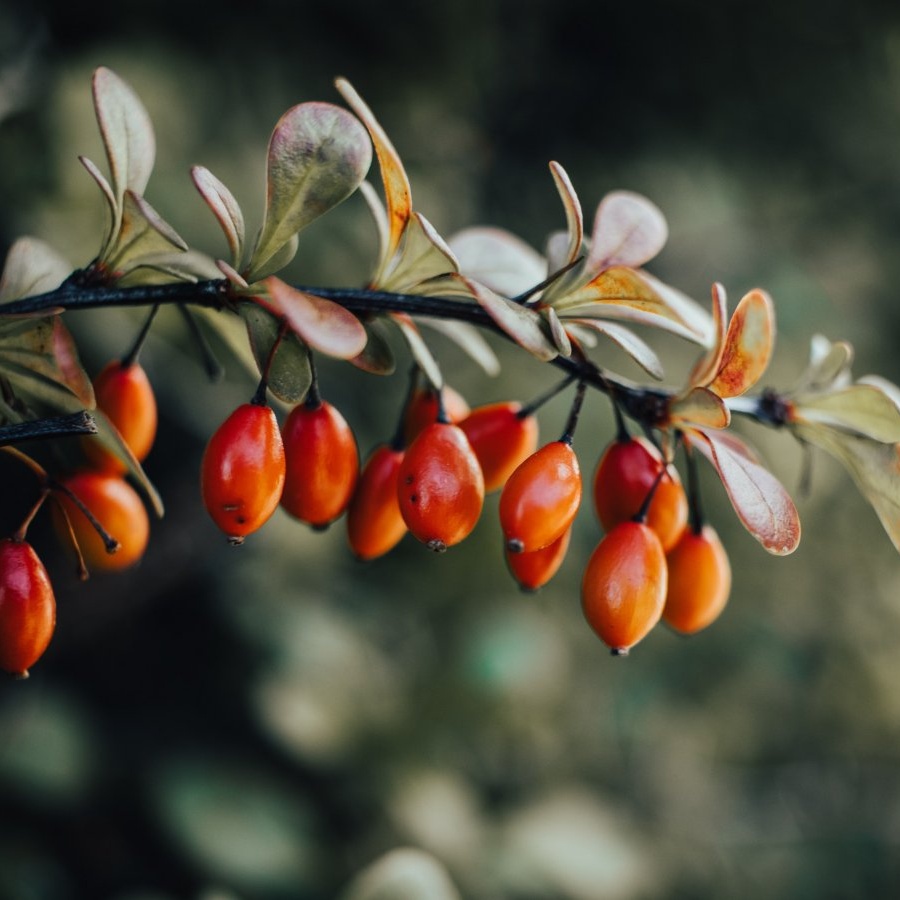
(265, 722)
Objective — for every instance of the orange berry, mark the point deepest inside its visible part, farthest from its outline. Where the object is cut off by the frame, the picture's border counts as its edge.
(117, 507)
(422, 410)
(699, 581)
(540, 498)
(27, 607)
(533, 570)
(322, 463)
(624, 587)
(440, 486)
(242, 473)
(501, 439)
(625, 474)
(125, 395)
(374, 522)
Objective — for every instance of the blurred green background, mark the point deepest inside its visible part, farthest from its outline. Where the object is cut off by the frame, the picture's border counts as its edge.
(264, 722)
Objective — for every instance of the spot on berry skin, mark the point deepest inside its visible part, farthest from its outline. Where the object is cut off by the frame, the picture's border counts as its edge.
(413, 498)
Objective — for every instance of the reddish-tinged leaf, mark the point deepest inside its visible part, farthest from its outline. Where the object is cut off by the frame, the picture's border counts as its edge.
(234, 277)
(629, 230)
(758, 497)
(32, 267)
(71, 372)
(708, 365)
(318, 156)
(324, 325)
(127, 133)
(748, 346)
(224, 207)
(622, 293)
(498, 259)
(574, 217)
(377, 356)
(398, 195)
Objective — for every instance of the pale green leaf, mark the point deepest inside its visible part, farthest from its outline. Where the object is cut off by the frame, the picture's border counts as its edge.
(873, 465)
(32, 267)
(40, 360)
(762, 504)
(829, 366)
(318, 156)
(405, 873)
(397, 192)
(380, 218)
(323, 324)
(629, 230)
(289, 374)
(109, 438)
(701, 407)
(861, 408)
(522, 324)
(641, 352)
(419, 349)
(376, 357)
(143, 233)
(225, 208)
(423, 256)
(230, 330)
(468, 338)
(557, 331)
(112, 205)
(498, 259)
(127, 133)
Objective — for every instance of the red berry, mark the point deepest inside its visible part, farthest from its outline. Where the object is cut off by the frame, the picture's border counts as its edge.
(501, 439)
(322, 463)
(624, 586)
(541, 498)
(624, 477)
(242, 473)
(374, 522)
(125, 395)
(117, 507)
(699, 581)
(533, 570)
(440, 486)
(422, 410)
(27, 607)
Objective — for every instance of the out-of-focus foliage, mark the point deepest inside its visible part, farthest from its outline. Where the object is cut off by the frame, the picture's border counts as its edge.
(267, 722)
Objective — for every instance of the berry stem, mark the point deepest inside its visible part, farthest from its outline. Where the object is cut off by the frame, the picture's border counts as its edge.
(695, 506)
(313, 398)
(574, 413)
(130, 358)
(441, 416)
(398, 441)
(533, 406)
(641, 514)
(111, 544)
(22, 530)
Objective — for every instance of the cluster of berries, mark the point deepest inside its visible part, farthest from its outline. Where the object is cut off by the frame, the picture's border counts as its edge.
(431, 480)
(95, 510)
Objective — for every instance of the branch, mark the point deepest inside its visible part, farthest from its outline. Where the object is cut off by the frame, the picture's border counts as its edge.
(56, 426)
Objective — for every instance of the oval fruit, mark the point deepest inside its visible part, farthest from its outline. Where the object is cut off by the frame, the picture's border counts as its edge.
(374, 522)
(501, 438)
(243, 471)
(699, 581)
(533, 570)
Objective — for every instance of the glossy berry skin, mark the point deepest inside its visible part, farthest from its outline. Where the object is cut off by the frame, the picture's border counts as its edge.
(322, 463)
(624, 586)
(624, 476)
(125, 395)
(422, 410)
(440, 486)
(374, 522)
(117, 507)
(243, 470)
(699, 581)
(501, 439)
(541, 497)
(27, 608)
(533, 570)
